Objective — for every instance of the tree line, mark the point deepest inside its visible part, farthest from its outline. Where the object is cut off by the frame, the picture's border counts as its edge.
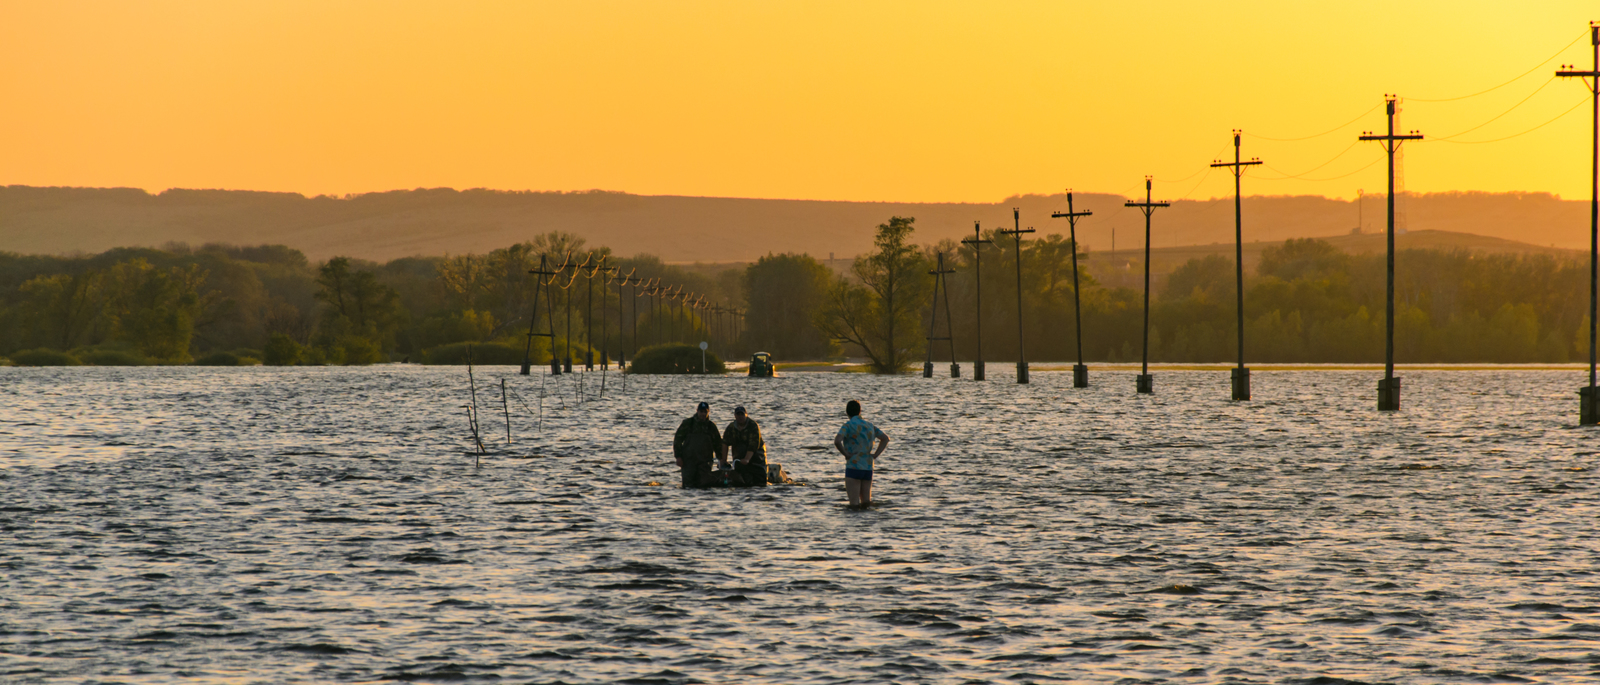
(1304, 302)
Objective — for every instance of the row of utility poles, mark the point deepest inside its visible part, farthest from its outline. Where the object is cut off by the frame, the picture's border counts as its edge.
(716, 321)
(1389, 385)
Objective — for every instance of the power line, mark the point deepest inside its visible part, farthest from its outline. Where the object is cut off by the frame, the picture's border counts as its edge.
(1518, 78)
(1514, 135)
(1287, 175)
(1319, 135)
(1497, 116)
(1329, 178)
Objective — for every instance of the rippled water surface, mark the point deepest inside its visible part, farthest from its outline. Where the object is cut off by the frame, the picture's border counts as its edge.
(317, 525)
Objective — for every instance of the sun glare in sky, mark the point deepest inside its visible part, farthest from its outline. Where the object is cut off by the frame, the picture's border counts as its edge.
(895, 101)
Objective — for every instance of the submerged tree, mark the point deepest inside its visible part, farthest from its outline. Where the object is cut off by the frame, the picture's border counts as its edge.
(882, 314)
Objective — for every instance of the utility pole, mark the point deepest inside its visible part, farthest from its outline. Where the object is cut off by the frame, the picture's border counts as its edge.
(633, 302)
(933, 325)
(533, 317)
(605, 330)
(566, 296)
(1080, 372)
(1241, 375)
(1589, 402)
(1016, 232)
(977, 244)
(1146, 383)
(1389, 387)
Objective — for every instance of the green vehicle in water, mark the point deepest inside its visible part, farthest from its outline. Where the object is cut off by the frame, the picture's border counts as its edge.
(761, 365)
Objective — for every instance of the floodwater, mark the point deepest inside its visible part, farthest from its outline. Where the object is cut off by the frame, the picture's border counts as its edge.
(330, 525)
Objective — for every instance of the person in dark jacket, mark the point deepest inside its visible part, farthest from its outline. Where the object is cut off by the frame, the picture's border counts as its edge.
(747, 449)
(695, 444)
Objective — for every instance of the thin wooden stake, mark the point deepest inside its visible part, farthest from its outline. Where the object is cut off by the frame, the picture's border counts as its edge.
(472, 413)
(506, 407)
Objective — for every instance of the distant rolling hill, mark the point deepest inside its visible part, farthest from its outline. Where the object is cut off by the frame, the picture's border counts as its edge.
(382, 226)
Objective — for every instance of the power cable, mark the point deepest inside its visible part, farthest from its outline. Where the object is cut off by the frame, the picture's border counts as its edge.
(1497, 116)
(1514, 135)
(1507, 83)
(1319, 135)
(1287, 175)
(1330, 178)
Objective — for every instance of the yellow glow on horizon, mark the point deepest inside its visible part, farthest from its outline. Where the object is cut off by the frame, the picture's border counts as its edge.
(892, 101)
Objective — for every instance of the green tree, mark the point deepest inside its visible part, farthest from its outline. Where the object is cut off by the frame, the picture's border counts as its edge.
(782, 295)
(62, 309)
(157, 309)
(361, 317)
(882, 314)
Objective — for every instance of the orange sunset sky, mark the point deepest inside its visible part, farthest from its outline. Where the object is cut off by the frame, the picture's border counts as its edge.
(900, 101)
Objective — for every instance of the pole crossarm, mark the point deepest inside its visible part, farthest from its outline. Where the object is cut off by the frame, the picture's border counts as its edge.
(1237, 165)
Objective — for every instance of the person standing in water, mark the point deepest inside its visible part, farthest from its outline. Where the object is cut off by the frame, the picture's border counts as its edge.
(749, 451)
(854, 441)
(695, 444)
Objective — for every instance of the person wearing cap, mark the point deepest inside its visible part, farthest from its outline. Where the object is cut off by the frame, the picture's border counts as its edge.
(748, 451)
(854, 441)
(695, 444)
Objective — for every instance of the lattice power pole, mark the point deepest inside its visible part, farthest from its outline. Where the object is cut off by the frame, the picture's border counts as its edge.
(1016, 231)
(1146, 383)
(533, 318)
(1589, 400)
(977, 242)
(1080, 372)
(933, 325)
(1241, 375)
(1389, 387)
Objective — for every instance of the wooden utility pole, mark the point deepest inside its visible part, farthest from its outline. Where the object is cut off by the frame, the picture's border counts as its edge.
(1389, 387)
(1241, 375)
(933, 325)
(1016, 231)
(1589, 401)
(1080, 372)
(1146, 383)
(977, 242)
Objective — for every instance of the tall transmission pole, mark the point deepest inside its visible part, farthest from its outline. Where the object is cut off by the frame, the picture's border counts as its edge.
(1080, 372)
(533, 317)
(1389, 387)
(1589, 402)
(1241, 375)
(1016, 232)
(977, 242)
(1146, 383)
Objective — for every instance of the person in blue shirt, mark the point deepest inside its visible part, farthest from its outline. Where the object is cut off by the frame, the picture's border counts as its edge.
(854, 441)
